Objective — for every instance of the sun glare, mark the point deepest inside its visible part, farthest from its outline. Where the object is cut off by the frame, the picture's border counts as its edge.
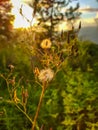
(24, 20)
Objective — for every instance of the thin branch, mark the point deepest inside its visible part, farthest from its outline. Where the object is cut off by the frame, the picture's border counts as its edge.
(24, 113)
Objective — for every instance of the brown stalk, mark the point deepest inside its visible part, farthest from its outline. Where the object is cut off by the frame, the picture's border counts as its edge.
(39, 106)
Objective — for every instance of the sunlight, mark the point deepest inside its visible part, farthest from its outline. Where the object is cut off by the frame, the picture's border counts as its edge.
(65, 26)
(24, 20)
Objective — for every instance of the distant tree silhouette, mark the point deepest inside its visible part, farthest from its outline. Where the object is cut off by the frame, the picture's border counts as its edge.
(52, 12)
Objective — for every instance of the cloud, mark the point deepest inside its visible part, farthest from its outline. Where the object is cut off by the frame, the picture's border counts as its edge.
(88, 9)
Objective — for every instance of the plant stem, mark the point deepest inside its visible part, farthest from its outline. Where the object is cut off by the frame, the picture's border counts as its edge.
(38, 107)
(24, 113)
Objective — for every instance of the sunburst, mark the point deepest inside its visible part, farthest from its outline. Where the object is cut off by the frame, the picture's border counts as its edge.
(23, 14)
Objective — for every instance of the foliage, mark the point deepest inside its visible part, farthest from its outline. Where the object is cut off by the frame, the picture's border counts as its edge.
(6, 18)
(69, 100)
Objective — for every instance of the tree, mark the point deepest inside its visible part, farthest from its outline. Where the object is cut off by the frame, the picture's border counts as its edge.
(6, 18)
(52, 12)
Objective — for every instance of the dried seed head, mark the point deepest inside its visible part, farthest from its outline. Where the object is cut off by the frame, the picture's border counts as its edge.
(11, 67)
(46, 75)
(36, 71)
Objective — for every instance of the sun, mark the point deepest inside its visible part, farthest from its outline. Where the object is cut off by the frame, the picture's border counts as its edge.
(23, 14)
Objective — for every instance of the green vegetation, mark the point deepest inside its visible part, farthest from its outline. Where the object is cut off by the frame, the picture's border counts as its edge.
(70, 99)
(48, 84)
(6, 18)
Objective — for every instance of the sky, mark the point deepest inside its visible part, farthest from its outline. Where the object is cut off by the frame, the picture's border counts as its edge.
(89, 9)
(90, 4)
